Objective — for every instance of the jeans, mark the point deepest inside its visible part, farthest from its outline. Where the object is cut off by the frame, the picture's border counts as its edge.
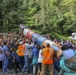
(16, 66)
(56, 64)
(39, 66)
(34, 69)
(1, 64)
(30, 65)
(5, 64)
(26, 65)
(21, 61)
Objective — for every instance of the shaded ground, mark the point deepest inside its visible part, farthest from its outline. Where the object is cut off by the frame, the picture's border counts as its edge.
(11, 72)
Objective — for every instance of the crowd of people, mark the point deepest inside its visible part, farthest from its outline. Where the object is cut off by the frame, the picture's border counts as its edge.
(27, 56)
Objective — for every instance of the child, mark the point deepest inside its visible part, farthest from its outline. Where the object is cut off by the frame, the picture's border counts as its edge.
(15, 59)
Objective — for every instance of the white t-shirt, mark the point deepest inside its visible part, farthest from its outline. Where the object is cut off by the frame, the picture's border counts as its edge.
(40, 57)
(27, 48)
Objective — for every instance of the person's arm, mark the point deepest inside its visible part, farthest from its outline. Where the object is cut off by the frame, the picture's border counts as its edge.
(42, 52)
(5, 49)
(13, 59)
(13, 56)
(75, 54)
(63, 66)
(7, 52)
(24, 50)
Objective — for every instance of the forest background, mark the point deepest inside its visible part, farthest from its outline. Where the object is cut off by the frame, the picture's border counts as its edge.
(57, 17)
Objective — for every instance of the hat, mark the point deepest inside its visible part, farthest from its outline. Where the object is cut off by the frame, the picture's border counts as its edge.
(21, 42)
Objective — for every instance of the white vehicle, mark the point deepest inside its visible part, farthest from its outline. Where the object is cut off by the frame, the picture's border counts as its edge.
(73, 36)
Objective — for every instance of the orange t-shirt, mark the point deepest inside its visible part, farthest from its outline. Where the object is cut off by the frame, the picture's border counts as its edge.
(21, 49)
(48, 56)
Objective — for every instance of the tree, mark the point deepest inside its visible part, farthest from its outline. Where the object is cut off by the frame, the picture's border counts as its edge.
(43, 16)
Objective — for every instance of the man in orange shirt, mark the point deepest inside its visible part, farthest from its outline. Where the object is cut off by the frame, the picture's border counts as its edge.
(48, 60)
(21, 50)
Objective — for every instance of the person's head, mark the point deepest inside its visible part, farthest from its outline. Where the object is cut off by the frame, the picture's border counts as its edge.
(47, 45)
(28, 41)
(13, 49)
(6, 42)
(70, 45)
(16, 41)
(35, 42)
(65, 47)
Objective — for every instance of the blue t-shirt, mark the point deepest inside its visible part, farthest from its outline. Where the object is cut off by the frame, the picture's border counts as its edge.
(5, 49)
(15, 55)
(35, 52)
(1, 54)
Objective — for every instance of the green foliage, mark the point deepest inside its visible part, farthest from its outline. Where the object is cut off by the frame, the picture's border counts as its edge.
(11, 15)
(43, 16)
